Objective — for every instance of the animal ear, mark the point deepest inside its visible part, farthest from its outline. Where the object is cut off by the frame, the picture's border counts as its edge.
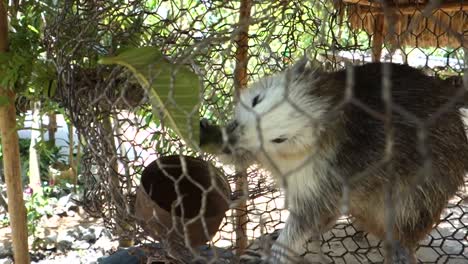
(305, 67)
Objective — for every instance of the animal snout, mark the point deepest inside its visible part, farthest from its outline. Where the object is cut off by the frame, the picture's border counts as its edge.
(231, 136)
(226, 150)
(230, 144)
(232, 126)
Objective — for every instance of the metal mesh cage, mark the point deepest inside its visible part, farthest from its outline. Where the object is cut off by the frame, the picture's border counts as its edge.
(121, 135)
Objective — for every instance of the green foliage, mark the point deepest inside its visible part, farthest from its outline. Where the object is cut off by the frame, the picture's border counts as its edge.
(4, 221)
(174, 90)
(43, 80)
(24, 68)
(48, 154)
(37, 206)
(24, 40)
(24, 147)
(40, 205)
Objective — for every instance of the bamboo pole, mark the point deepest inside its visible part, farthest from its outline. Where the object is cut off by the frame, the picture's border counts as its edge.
(240, 82)
(11, 160)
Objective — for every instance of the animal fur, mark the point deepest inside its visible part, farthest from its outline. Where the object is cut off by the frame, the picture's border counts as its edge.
(399, 159)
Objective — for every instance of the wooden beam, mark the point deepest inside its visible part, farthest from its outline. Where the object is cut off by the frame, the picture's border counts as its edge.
(377, 38)
(362, 2)
(407, 9)
(11, 159)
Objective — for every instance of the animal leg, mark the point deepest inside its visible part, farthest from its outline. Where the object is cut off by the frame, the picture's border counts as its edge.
(297, 232)
(400, 254)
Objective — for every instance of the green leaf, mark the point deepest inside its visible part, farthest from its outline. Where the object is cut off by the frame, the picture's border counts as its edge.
(32, 28)
(44, 78)
(174, 89)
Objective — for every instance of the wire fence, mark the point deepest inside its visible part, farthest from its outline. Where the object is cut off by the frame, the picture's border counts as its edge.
(122, 136)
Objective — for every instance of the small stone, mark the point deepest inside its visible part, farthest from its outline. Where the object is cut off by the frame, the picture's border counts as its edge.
(63, 201)
(65, 241)
(67, 236)
(46, 243)
(59, 211)
(84, 231)
(75, 233)
(64, 245)
(81, 245)
(6, 261)
(6, 250)
(105, 243)
(51, 242)
(71, 213)
(89, 235)
(65, 205)
(98, 231)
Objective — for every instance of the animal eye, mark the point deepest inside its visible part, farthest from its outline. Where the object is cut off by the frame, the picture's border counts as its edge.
(256, 100)
(279, 140)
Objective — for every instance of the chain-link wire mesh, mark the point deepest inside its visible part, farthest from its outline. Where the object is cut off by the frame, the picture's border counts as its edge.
(122, 135)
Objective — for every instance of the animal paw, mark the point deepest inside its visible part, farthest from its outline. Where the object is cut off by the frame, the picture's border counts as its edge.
(251, 257)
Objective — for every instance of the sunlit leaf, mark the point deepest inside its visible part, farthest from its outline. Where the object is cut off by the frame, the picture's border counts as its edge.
(33, 29)
(174, 89)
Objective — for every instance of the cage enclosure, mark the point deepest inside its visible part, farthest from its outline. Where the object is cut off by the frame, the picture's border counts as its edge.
(129, 140)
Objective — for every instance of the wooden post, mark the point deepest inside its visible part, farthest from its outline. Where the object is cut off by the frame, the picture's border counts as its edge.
(76, 163)
(11, 159)
(52, 127)
(71, 159)
(240, 82)
(34, 172)
(377, 38)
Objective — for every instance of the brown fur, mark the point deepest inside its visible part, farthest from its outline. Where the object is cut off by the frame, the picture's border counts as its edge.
(418, 196)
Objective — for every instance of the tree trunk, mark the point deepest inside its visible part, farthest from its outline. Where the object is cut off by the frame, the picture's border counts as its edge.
(11, 160)
(34, 172)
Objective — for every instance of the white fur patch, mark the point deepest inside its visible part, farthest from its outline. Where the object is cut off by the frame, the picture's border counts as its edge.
(275, 107)
(281, 110)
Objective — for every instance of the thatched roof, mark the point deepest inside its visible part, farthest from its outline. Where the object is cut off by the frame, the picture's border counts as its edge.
(415, 22)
